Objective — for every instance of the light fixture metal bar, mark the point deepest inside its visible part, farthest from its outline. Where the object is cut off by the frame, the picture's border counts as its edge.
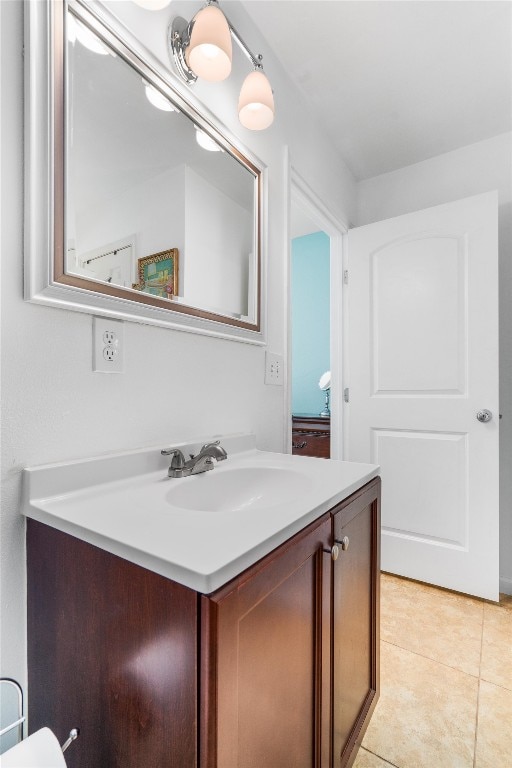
(255, 60)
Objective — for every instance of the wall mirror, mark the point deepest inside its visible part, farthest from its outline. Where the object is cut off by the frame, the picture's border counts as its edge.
(156, 211)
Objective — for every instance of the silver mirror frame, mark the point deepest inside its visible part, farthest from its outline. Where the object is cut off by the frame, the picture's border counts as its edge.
(45, 281)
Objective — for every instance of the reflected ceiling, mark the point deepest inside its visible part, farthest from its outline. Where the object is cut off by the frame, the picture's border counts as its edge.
(120, 154)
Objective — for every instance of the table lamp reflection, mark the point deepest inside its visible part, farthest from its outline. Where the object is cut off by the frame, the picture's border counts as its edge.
(325, 386)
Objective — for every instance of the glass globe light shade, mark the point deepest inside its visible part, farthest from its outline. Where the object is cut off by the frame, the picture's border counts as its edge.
(256, 102)
(209, 53)
(206, 142)
(157, 99)
(71, 28)
(87, 37)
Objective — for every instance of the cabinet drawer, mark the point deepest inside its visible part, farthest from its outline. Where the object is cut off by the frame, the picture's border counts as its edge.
(307, 444)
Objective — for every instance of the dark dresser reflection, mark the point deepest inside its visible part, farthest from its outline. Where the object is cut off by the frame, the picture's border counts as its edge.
(311, 435)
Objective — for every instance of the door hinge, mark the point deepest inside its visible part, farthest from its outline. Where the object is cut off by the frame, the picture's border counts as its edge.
(345, 276)
(346, 394)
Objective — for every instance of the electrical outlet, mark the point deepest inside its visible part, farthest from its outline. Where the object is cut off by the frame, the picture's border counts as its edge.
(109, 354)
(273, 369)
(108, 343)
(109, 338)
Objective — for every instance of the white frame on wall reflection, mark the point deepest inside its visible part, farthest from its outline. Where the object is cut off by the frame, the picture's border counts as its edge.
(46, 281)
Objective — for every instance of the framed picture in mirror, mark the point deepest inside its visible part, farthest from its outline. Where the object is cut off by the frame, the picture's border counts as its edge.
(158, 274)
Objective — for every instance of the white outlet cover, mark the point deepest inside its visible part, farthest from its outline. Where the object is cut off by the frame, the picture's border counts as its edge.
(107, 345)
(274, 365)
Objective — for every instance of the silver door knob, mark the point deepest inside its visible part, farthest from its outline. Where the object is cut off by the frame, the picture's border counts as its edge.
(335, 551)
(344, 542)
(484, 415)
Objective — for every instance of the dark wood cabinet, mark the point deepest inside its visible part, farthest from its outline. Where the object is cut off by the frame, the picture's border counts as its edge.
(267, 671)
(356, 600)
(111, 650)
(277, 669)
(311, 436)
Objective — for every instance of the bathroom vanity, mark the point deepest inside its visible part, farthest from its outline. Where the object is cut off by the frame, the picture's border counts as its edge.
(268, 662)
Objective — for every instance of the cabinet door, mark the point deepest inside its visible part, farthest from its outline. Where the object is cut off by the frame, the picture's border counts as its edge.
(111, 650)
(265, 684)
(355, 620)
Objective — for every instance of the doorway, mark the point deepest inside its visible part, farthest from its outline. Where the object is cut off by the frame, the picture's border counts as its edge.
(315, 268)
(421, 338)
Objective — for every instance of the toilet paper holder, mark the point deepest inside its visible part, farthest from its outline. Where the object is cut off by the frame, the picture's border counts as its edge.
(18, 723)
(9, 683)
(73, 734)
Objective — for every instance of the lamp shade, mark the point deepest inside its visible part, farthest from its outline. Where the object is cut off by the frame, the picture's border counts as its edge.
(206, 142)
(87, 37)
(325, 381)
(256, 102)
(209, 52)
(157, 99)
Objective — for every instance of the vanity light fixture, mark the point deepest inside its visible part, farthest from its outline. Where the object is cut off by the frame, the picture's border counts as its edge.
(209, 52)
(206, 142)
(256, 102)
(78, 31)
(156, 98)
(202, 48)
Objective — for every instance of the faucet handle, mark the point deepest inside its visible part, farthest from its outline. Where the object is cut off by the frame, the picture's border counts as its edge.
(178, 459)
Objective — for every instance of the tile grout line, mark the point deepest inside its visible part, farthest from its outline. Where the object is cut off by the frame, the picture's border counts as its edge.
(479, 676)
(484, 679)
(435, 661)
(379, 756)
(478, 691)
(476, 724)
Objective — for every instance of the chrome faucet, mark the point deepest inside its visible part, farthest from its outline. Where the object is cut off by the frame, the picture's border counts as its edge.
(196, 464)
(215, 450)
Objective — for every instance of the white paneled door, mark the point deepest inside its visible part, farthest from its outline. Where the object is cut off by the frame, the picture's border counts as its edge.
(422, 365)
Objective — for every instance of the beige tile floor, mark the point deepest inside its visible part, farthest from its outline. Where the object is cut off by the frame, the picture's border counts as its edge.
(446, 681)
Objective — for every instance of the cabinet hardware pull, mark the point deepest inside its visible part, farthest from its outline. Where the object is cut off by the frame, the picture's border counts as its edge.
(335, 551)
(298, 446)
(344, 542)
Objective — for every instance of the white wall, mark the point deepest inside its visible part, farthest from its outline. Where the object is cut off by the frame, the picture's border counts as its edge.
(218, 232)
(480, 167)
(158, 225)
(53, 406)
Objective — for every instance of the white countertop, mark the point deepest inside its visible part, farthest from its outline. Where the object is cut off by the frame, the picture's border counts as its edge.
(122, 503)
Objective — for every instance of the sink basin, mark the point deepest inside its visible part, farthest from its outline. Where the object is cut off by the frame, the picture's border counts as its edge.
(241, 488)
